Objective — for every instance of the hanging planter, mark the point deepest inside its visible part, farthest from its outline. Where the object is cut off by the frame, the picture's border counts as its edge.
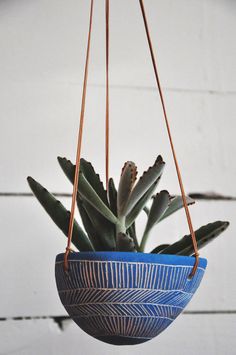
(126, 298)
(112, 289)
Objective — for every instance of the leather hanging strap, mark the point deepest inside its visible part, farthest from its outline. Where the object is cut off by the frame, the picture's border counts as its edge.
(79, 144)
(107, 10)
(196, 253)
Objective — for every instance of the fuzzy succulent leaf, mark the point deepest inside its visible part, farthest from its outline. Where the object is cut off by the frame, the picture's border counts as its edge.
(127, 180)
(60, 215)
(204, 235)
(94, 179)
(89, 194)
(159, 248)
(67, 167)
(91, 231)
(88, 171)
(112, 193)
(160, 204)
(176, 204)
(140, 204)
(124, 243)
(144, 183)
(105, 230)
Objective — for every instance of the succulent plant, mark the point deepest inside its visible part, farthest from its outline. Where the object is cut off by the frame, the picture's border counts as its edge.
(109, 216)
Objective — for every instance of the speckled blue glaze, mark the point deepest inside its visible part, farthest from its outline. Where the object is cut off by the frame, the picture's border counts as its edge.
(126, 298)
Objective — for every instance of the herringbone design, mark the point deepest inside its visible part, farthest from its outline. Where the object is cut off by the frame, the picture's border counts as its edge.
(125, 299)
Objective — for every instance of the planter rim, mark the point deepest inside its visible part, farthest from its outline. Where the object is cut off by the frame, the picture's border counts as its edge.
(165, 259)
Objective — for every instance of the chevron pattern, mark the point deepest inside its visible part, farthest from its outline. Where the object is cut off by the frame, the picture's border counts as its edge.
(125, 302)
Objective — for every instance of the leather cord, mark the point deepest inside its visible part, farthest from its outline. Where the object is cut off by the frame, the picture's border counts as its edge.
(79, 144)
(80, 135)
(196, 253)
(107, 10)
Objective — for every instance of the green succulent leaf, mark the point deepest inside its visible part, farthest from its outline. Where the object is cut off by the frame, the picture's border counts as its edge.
(140, 204)
(88, 193)
(88, 225)
(94, 179)
(146, 210)
(105, 230)
(86, 190)
(127, 180)
(88, 171)
(112, 193)
(124, 243)
(68, 168)
(204, 235)
(160, 204)
(60, 215)
(145, 182)
(176, 204)
(159, 248)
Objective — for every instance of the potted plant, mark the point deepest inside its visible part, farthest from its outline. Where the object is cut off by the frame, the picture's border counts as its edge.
(114, 290)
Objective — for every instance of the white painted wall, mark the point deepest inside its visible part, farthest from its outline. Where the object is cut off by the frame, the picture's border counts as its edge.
(42, 47)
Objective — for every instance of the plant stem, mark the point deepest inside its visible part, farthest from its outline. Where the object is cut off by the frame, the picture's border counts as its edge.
(143, 241)
(120, 225)
(132, 233)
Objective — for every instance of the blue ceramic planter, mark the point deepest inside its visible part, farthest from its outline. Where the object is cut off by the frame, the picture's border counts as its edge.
(126, 298)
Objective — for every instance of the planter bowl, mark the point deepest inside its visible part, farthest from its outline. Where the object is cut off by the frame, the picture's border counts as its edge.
(126, 298)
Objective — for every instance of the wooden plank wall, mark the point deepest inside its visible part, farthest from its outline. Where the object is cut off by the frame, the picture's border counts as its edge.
(41, 67)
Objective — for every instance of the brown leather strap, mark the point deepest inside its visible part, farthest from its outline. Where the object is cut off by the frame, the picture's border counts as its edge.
(107, 92)
(171, 143)
(79, 144)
